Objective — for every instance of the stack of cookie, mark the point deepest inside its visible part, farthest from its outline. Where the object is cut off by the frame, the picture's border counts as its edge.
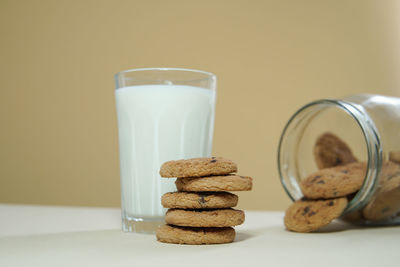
(328, 190)
(201, 211)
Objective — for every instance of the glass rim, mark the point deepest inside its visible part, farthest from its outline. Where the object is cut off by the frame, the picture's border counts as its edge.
(209, 74)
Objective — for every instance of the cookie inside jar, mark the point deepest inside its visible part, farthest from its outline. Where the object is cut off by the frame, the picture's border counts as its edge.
(332, 149)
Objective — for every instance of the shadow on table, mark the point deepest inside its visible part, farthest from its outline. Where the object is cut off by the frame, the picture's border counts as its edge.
(333, 227)
(337, 226)
(340, 226)
(242, 236)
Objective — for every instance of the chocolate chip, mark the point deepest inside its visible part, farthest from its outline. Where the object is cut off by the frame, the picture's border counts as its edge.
(330, 203)
(345, 171)
(201, 199)
(213, 161)
(315, 178)
(321, 182)
(306, 210)
(338, 161)
(312, 213)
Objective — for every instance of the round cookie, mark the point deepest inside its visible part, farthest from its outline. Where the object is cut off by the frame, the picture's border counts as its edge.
(331, 151)
(204, 218)
(334, 182)
(390, 176)
(195, 236)
(386, 201)
(199, 200)
(215, 183)
(383, 206)
(394, 156)
(197, 167)
(309, 215)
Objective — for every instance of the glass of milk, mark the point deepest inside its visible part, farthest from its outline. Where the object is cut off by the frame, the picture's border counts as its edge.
(163, 114)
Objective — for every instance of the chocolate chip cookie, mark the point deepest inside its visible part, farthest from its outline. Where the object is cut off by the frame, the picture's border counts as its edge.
(331, 151)
(195, 236)
(309, 215)
(386, 201)
(199, 200)
(197, 167)
(204, 218)
(215, 183)
(334, 182)
(394, 156)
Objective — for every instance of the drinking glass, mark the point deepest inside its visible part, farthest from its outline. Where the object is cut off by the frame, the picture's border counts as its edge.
(163, 114)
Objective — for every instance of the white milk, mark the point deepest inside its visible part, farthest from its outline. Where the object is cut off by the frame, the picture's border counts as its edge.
(158, 123)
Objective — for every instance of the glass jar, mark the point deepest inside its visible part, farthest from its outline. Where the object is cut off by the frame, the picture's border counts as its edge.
(370, 126)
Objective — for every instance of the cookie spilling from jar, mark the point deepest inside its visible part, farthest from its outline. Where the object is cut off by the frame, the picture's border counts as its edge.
(340, 176)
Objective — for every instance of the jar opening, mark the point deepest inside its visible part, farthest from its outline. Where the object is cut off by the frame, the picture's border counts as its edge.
(345, 119)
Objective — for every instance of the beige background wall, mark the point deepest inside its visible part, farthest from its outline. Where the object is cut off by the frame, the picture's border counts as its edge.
(58, 134)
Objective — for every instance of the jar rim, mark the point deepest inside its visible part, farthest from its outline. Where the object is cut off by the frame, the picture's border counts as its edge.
(371, 138)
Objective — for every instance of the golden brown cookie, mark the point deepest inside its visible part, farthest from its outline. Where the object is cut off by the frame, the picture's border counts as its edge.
(215, 183)
(195, 236)
(394, 156)
(310, 215)
(334, 182)
(199, 200)
(386, 201)
(197, 167)
(383, 206)
(390, 176)
(204, 218)
(331, 151)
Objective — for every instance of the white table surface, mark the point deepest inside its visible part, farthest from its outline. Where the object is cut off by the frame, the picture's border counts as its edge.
(74, 236)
